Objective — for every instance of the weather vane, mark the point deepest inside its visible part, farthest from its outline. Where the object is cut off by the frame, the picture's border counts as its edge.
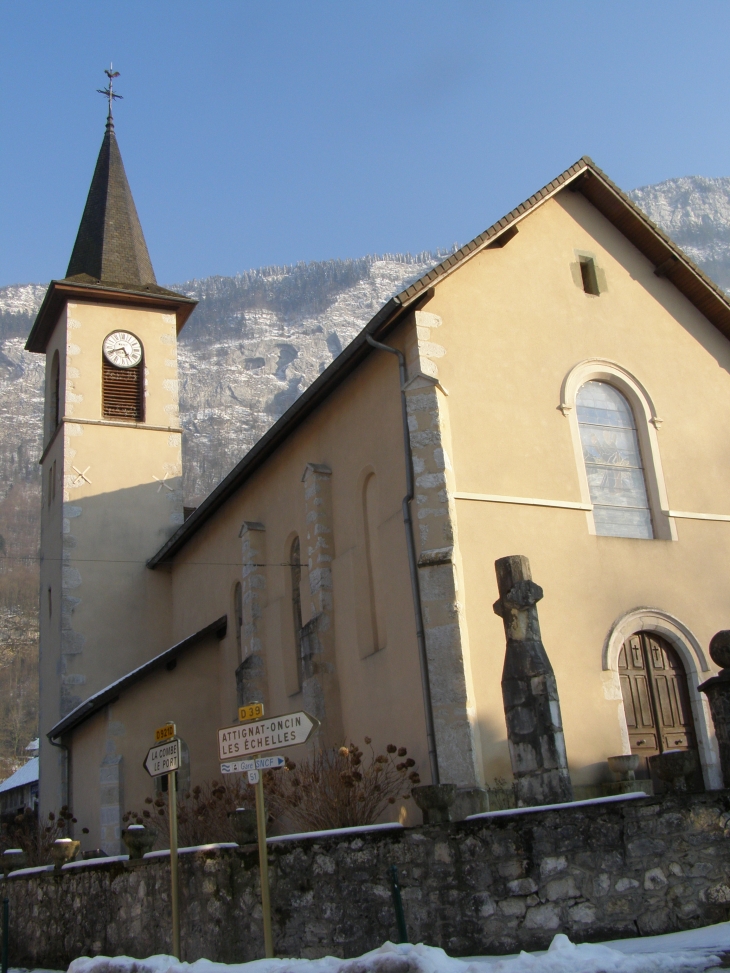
(109, 90)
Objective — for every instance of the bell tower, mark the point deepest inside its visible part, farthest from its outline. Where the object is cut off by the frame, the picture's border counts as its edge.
(111, 464)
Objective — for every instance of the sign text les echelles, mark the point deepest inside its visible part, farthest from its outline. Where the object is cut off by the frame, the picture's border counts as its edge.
(267, 734)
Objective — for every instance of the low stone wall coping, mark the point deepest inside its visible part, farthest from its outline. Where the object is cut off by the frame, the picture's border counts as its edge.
(334, 832)
(611, 799)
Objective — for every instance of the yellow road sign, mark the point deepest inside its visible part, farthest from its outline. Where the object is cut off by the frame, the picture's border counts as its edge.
(166, 732)
(254, 711)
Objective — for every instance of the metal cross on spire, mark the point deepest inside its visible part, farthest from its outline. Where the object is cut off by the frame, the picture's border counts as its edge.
(109, 90)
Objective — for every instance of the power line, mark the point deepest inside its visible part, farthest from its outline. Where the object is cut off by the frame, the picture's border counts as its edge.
(120, 560)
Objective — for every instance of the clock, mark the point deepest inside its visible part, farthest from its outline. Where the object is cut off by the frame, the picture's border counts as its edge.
(122, 349)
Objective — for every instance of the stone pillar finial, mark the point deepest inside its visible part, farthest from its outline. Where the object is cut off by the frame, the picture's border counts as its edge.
(529, 691)
(717, 690)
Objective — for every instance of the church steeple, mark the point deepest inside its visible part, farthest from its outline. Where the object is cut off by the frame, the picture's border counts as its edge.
(110, 255)
(110, 247)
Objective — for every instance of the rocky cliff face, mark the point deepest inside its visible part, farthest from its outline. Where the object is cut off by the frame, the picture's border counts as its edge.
(256, 341)
(695, 212)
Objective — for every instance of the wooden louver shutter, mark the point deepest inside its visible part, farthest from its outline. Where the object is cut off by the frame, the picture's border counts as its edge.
(122, 392)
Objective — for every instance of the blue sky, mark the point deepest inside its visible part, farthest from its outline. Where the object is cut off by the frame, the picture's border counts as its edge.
(258, 133)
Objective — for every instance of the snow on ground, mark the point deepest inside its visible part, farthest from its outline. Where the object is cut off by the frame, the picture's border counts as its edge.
(683, 952)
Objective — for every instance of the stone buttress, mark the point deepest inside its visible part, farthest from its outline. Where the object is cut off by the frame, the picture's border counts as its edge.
(320, 684)
(439, 563)
(251, 675)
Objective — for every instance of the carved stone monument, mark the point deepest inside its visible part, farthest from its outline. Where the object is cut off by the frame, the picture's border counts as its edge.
(529, 691)
(717, 690)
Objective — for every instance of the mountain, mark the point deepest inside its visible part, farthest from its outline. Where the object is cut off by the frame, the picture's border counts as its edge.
(253, 344)
(695, 212)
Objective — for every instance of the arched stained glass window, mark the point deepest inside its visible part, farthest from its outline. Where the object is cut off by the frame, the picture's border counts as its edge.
(613, 462)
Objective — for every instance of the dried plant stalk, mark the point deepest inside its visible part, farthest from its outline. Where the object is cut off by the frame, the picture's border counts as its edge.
(204, 814)
(36, 837)
(331, 789)
(336, 789)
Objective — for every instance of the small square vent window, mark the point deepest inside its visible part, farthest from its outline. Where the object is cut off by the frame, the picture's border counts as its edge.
(589, 276)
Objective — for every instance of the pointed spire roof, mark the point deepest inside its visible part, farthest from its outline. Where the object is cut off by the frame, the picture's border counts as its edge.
(109, 261)
(110, 246)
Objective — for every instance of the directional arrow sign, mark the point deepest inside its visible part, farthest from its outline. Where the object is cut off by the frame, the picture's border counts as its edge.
(163, 759)
(247, 739)
(261, 763)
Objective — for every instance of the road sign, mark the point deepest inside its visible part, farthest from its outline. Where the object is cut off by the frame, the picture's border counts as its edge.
(253, 776)
(246, 739)
(163, 759)
(269, 763)
(260, 763)
(166, 732)
(253, 711)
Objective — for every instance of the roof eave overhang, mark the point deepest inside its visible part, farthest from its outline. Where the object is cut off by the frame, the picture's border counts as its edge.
(586, 178)
(60, 292)
(111, 693)
(668, 259)
(345, 363)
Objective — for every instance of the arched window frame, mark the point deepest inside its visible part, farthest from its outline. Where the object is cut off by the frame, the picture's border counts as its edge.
(294, 592)
(238, 618)
(647, 423)
(54, 395)
(370, 619)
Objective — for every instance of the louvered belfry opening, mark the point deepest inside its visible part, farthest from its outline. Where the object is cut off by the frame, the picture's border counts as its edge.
(122, 392)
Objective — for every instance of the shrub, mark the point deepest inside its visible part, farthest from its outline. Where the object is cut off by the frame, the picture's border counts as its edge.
(333, 788)
(36, 837)
(336, 788)
(203, 814)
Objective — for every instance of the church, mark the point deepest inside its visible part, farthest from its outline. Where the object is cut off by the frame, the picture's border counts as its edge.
(558, 388)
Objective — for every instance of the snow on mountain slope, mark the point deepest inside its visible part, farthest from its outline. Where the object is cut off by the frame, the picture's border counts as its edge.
(695, 212)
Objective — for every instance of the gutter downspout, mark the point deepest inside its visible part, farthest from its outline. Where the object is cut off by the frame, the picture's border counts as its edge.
(413, 564)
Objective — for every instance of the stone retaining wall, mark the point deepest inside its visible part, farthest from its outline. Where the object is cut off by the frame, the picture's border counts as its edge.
(499, 884)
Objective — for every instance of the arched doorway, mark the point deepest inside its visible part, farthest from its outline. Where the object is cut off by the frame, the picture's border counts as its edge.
(655, 696)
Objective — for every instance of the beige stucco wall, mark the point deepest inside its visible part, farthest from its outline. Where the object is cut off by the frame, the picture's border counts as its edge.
(356, 433)
(107, 773)
(514, 323)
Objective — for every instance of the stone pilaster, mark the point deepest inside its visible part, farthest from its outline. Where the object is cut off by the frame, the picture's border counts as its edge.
(530, 692)
(320, 685)
(251, 677)
(439, 563)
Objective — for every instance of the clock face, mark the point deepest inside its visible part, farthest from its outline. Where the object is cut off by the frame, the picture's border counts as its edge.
(122, 349)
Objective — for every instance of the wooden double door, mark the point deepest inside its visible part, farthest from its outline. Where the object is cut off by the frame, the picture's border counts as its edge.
(656, 700)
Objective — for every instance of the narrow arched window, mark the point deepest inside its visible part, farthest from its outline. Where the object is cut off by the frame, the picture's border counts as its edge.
(55, 391)
(375, 633)
(295, 562)
(238, 617)
(613, 463)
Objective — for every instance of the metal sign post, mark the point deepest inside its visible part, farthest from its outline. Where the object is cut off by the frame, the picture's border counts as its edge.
(255, 735)
(258, 783)
(165, 759)
(172, 798)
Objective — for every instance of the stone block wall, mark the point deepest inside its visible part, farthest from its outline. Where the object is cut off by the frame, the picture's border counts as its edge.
(499, 884)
